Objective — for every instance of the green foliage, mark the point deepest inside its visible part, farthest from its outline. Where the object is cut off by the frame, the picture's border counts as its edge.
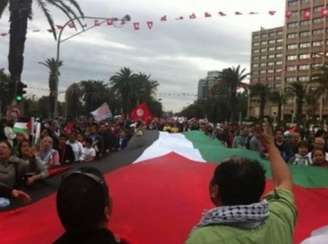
(6, 90)
(261, 91)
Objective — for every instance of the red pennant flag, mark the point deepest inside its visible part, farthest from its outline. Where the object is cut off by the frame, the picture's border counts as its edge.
(164, 18)
(272, 12)
(306, 14)
(142, 113)
(109, 21)
(180, 18)
(97, 23)
(324, 12)
(207, 15)
(150, 24)
(71, 24)
(222, 14)
(59, 27)
(193, 16)
(289, 14)
(238, 13)
(3, 34)
(136, 26)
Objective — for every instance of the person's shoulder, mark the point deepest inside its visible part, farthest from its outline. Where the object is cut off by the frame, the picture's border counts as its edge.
(207, 235)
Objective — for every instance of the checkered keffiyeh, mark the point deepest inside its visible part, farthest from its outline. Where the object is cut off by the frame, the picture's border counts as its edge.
(243, 216)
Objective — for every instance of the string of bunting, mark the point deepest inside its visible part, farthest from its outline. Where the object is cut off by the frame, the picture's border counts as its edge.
(150, 23)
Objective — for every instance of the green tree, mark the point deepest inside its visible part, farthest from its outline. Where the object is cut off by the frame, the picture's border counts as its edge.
(311, 101)
(73, 101)
(53, 66)
(94, 94)
(298, 90)
(262, 92)
(20, 12)
(6, 90)
(232, 79)
(279, 99)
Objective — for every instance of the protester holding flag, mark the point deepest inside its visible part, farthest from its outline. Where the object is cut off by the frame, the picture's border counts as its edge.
(240, 215)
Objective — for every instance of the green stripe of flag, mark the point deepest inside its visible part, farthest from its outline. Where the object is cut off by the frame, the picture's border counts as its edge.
(214, 151)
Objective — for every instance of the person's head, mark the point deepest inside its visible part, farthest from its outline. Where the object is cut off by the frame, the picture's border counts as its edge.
(237, 181)
(88, 142)
(25, 150)
(20, 137)
(318, 156)
(72, 138)
(319, 142)
(295, 138)
(46, 143)
(279, 135)
(83, 202)
(5, 150)
(303, 148)
(62, 139)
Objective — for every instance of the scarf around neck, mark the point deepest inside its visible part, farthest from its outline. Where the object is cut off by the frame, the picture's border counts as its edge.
(241, 216)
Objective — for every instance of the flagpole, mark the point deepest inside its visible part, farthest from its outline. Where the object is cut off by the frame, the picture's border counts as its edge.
(59, 41)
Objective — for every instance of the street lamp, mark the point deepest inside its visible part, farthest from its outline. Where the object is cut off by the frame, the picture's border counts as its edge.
(126, 18)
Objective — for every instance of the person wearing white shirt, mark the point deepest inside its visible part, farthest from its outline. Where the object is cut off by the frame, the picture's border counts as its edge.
(88, 152)
(76, 147)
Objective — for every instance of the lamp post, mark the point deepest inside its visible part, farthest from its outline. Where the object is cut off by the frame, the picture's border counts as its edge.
(126, 18)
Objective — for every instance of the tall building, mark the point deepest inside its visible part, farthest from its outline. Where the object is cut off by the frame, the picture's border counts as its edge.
(304, 48)
(202, 89)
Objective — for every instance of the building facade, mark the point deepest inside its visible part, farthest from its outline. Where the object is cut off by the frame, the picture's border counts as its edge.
(202, 89)
(303, 48)
(206, 85)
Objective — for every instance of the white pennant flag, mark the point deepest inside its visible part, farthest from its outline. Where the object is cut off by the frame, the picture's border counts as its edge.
(102, 113)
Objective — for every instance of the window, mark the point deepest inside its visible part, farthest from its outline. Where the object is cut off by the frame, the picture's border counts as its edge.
(272, 34)
(256, 51)
(256, 44)
(263, 72)
(272, 49)
(256, 37)
(292, 25)
(305, 23)
(271, 64)
(292, 35)
(317, 55)
(317, 20)
(263, 64)
(272, 42)
(303, 78)
(305, 34)
(279, 55)
(291, 57)
(317, 9)
(304, 56)
(292, 3)
(256, 59)
(264, 36)
(255, 65)
(278, 70)
(292, 46)
(305, 1)
(317, 43)
(279, 33)
(292, 68)
(279, 63)
(318, 32)
(291, 79)
(279, 48)
(316, 66)
(278, 78)
(271, 56)
(264, 57)
(270, 71)
(264, 43)
(305, 45)
(263, 50)
(304, 67)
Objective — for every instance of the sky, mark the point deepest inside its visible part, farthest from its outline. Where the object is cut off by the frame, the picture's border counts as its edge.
(176, 53)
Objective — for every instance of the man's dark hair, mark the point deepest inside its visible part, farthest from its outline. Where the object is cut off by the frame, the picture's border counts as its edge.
(240, 181)
(81, 200)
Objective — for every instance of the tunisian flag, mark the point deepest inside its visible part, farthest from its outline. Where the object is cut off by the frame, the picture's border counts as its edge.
(141, 112)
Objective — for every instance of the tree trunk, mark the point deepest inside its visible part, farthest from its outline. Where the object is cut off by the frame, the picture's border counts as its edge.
(19, 13)
(279, 111)
(262, 108)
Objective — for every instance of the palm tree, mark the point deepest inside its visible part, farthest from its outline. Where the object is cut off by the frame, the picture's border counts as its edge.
(311, 100)
(20, 13)
(232, 79)
(279, 99)
(299, 91)
(73, 97)
(146, 88)
(53, 65)
(262, 92)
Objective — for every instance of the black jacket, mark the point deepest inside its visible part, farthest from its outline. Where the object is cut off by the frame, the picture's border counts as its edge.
(101, 236)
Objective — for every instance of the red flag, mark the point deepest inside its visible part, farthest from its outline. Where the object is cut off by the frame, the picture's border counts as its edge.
(150, 24)
(207, 15)
(164, 18)
(109, 21)
(272, 12)
(324, 12)
(71, 24)
(193, 16)
(222, 14)
(142, 113)
(136, 26)
(306, 14)
(289, 14)
(238, 13)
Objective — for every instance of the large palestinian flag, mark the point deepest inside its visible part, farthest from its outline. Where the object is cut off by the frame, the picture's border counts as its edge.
(160, 190)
